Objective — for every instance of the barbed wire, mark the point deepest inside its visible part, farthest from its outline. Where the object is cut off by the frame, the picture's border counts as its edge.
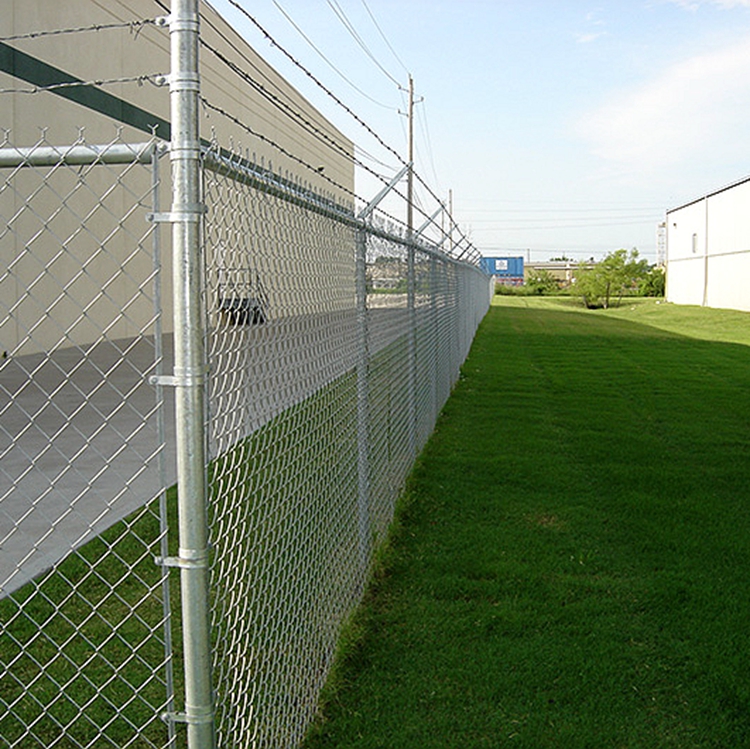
(269, 141)
(156, 79)
(347, 109)
(134, 26)
(277, 101)
(292, 113)
(328, 62)
(318, 173)
(317, 82)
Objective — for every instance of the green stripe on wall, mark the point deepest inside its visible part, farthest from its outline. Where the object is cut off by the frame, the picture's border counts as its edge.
(39, 73)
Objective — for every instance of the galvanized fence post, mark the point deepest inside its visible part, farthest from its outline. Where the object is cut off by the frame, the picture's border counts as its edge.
(363, 405)
(411, 293)
(189, 373)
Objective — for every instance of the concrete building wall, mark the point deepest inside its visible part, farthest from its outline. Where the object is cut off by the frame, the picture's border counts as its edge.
(89, 257)
(264, 105)
(708, 250)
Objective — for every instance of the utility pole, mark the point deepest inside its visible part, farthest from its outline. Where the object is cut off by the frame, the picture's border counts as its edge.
(410, 173)
(411, 281)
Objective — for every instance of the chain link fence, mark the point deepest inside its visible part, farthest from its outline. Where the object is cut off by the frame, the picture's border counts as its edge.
(332, 338)
(85, 635)
(322, 389)
(332, 344)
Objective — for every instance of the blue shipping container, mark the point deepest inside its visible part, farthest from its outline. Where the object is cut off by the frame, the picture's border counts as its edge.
(503, 267)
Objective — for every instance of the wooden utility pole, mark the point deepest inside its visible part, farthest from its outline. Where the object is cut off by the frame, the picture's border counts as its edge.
(410, 173)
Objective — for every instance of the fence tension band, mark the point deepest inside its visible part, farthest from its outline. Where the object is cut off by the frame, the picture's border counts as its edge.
(177, 380)
(189, 213)
(184, 561)
(171, 717)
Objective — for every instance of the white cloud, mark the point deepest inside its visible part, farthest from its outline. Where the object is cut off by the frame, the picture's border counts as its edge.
(694, 5)
(691, 108)
(594, 28)
(590, 37)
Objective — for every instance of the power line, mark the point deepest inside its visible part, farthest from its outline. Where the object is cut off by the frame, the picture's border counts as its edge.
(385, 39)
(241, 53)
(370, 130)
(327, 61)
(317, 82)
(316, 131)
(552, 219)
(428, 142)
(612, 209)
(289, 112)
(349, 26)
(366, 154)
(297, 159)
(564, 227)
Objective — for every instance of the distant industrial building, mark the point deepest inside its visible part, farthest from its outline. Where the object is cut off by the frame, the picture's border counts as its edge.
(708, 249)
(563, 271)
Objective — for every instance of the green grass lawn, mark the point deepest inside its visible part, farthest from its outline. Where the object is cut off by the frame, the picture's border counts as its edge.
(569, 566)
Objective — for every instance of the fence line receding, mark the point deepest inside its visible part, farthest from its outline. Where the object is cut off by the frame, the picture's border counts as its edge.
(331, 337)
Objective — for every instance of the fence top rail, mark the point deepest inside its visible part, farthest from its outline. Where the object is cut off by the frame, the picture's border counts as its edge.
(233, 166)
(81, 154)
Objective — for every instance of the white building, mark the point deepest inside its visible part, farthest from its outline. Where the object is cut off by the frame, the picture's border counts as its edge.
(708, 249)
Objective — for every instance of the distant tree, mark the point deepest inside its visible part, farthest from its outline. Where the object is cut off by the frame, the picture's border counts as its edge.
(561, 259)
(655, 282)
(541, 282)
(619, 272)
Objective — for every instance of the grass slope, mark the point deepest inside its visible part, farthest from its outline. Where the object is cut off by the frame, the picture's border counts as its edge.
(569, 566)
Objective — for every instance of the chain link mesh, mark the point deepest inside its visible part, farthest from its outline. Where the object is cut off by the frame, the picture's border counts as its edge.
(84, 610)
(332, 345)
(320, 397)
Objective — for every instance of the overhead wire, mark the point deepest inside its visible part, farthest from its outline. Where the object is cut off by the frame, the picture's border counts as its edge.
(285, 152)
(562, 227)
(384, 37)
(423, 120)
(349, 26)
(326, 60)
(278, 102)
(428, 141)
(317, 82)
(344, 19)
(289, 111)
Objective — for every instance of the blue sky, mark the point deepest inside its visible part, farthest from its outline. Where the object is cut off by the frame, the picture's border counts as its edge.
(561, 127)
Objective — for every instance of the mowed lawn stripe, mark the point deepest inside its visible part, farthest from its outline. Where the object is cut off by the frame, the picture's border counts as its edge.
(569, 566)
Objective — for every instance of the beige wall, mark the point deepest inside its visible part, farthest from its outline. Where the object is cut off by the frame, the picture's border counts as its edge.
(90, 258)
(109, 54)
